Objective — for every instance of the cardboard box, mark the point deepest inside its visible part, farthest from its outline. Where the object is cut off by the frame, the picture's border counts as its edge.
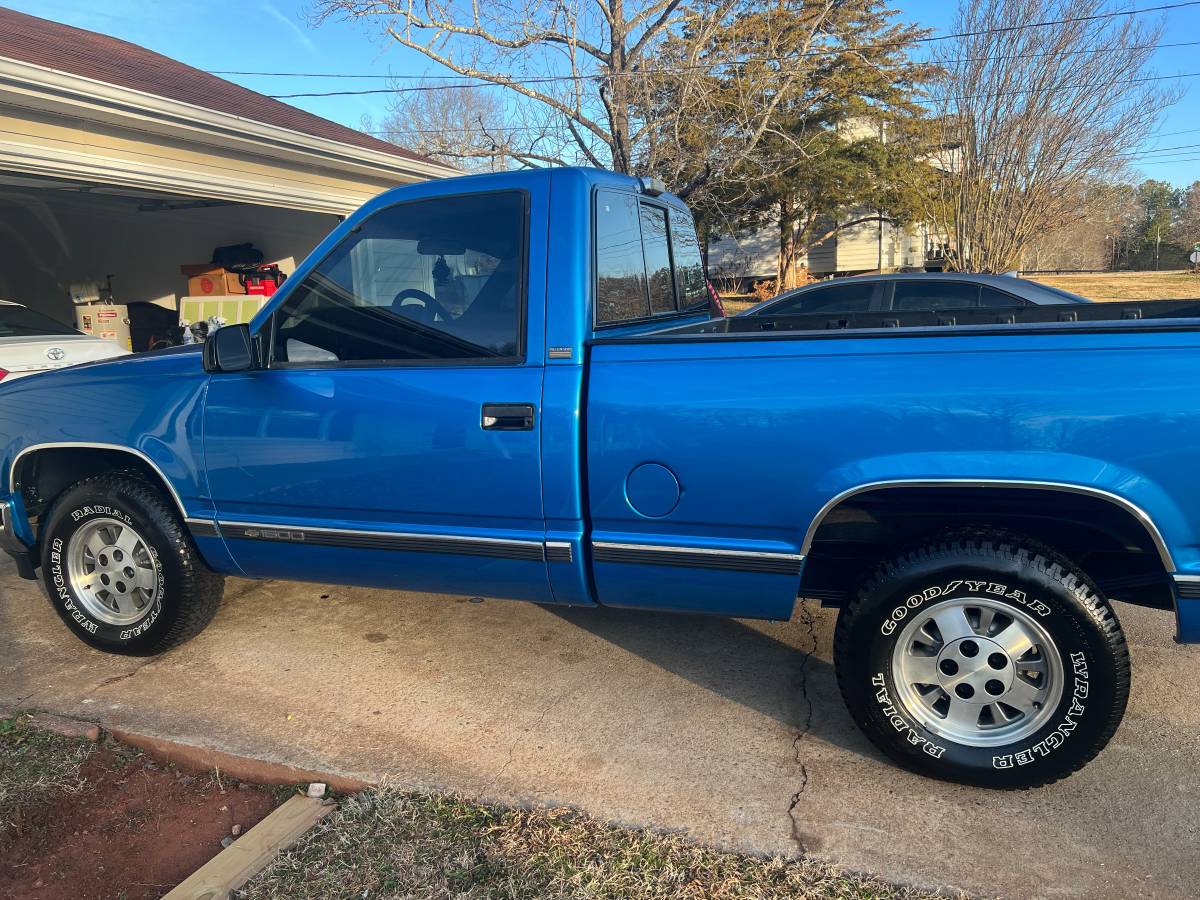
(207, 280)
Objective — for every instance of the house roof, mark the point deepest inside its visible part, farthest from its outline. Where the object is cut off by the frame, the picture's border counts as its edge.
(97, 56)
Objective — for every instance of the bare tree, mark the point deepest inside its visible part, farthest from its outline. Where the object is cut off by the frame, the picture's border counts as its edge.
(573, 66)
(460, 124)
(1030, 116)
(1092, 242)
(689, 89)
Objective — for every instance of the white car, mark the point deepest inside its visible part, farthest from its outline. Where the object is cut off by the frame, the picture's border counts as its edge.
(31, 342)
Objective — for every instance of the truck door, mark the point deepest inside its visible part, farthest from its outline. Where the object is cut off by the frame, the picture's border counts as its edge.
(392, 437)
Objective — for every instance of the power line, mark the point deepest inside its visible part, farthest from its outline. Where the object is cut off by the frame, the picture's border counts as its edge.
(1159, 134)
(1055, 90)
(643, 72)
(821, 52)
(1155, 162)
(927, 100)
(1162, 150)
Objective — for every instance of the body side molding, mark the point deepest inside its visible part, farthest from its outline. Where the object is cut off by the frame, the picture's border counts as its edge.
(697, 557)
(383, 540)
(1188, 586)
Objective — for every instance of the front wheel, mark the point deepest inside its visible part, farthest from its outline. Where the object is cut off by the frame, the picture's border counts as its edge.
(120, 569)
(983, 658)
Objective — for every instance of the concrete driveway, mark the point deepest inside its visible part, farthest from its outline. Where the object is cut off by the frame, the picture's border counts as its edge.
(730, 731)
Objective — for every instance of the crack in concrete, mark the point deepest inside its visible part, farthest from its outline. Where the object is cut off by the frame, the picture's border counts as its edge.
(808, 622)
(512, 749)
(116, 678)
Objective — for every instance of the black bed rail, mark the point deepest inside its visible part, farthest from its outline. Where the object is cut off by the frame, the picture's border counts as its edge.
(1152, 315)
(1013, 315)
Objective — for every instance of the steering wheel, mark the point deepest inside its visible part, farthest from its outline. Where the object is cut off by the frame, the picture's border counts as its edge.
(429, 303)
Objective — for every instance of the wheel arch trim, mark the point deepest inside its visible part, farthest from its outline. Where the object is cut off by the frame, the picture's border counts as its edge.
(93, 445)
(1140, 515)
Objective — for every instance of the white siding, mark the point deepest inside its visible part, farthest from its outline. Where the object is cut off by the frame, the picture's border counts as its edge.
(858, 247)
(754, 253)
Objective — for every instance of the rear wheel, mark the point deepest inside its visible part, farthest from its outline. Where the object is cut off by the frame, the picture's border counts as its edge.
(120, 569)
(984, 658)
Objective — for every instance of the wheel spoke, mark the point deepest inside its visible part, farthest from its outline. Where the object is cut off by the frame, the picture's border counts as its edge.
(1015, 640)
(87, 582)
(144, 578)
(961, 714)
(128, 541)
(95, 543)
(952, 623)
(1023, 695)
(122, 602)
(1000, 716)
(919, 669)
(987, 616)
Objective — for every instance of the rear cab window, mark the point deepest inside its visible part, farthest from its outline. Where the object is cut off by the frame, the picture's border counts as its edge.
(647, 259)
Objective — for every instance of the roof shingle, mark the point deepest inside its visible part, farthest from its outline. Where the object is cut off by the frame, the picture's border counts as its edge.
(92, 55)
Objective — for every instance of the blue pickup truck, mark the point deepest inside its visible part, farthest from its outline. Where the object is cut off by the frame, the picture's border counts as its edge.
(517, 385)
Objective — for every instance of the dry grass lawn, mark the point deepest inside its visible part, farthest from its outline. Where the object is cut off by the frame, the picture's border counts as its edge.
(1106, 286)
(388, 844)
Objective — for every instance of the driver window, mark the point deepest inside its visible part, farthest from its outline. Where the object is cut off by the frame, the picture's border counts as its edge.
(437, 279)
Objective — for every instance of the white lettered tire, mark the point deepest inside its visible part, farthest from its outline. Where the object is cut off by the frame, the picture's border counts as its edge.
(120, 569)
(983, 658)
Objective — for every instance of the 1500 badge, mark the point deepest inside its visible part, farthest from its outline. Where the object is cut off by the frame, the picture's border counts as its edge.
(273, 534)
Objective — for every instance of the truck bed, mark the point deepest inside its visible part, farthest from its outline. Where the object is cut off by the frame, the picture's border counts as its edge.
(766, 422)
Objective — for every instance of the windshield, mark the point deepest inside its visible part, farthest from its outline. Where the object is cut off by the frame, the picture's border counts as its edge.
(21, 321)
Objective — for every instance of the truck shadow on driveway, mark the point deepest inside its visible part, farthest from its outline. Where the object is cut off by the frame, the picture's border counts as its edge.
(780, 670)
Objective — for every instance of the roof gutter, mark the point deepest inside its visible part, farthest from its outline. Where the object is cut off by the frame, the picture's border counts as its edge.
(26, 85)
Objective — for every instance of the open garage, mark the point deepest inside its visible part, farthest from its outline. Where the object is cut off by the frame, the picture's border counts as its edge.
(119, 167)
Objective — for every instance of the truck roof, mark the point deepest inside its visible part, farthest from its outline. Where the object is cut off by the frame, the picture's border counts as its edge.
(585, 178)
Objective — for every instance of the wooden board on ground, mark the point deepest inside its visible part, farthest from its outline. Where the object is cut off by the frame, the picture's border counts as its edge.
(249, 854)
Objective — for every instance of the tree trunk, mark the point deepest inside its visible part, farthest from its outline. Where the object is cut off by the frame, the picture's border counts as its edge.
(785, 271)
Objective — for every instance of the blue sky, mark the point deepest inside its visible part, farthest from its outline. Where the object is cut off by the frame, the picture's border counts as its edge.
(273, 35)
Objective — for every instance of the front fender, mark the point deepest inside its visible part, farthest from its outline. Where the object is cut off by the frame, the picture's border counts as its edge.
(150, 404)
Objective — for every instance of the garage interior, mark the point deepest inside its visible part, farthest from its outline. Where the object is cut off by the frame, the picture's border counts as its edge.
(119, 161)
(62, 233)
(72, 232)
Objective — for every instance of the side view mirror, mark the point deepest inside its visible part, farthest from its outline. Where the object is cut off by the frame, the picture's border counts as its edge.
(229, 349)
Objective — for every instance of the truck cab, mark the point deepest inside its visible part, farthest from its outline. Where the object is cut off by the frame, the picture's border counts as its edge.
(419, 386)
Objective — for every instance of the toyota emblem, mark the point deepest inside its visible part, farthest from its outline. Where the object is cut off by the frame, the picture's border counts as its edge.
(56, 353)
